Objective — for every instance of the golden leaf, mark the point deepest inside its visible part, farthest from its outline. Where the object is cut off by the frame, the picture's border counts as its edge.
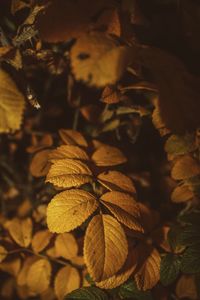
(70, 152)
(3, 253)
(181, 193)
(38, 276)
(12, 104)
(186, 287)
(149, 273)
(185, 167)
(78, 260)
(105, 247)
(66, 280)
(69, 209)
(108, 156)
(98, 60)
(72, 137)
(11, 267)
(114, 180)
(41, 240)
(124, 208)
(40, 163)
(66, 245)
(20, 230)
(69, 173)
(22, 275)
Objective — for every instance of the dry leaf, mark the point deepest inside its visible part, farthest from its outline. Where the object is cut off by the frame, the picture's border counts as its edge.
(70, 152)
(186, 287)
(66, 245)
(72, 137)
(69, 173)
(40, 164)
(69, 209)
(105, 247)
(41, 240)
(38, 276)
(124, 208)
(149, 273)
(12, 104)
(20, 230)
(94, 50)
(114, 180)
(185, 167)
(3, 253)
(108, 156)
(181, 193)
(66, 280)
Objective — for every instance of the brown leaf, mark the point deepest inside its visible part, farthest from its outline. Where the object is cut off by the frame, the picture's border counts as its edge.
(186, 287)
(40, 164)
(108, 156)
(66, 245)
(185, 167)
(68, 151)
(110, 95)
(181, 193)
(72, 137)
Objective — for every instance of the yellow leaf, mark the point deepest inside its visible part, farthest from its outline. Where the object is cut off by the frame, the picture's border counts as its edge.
(98, 60)
(12, 104)
(181, 193)
(70, 152)
(11, 267)
(20, 230)
(22, 275)
(38, 276)
(40, 163)
(72, 137)
(78, 260)
(69, 209)
(66, 245)
(185, 167)
(114, 180)
(3, 253)
(124, 208)
(108, 156)
(186, 287)
(40, 240)
(66, 280)
(67, 173)
(105, 247)
(123, 274)
(149, 273)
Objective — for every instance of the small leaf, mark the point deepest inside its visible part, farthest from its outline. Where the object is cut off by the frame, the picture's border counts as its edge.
(66, 245)
(110, 95)
(70, 152)
(185, 167)
(3, 253)
(108, 156)
(40, 164)
(67, 173)
(169, 269)
(66, 280)
(72, 137)
(180, 144)
(181, 193)
(105, 247)
(88, 293)
(130, 290)
(69, 209)
(41, 240)
(191, 260)
(20, 231)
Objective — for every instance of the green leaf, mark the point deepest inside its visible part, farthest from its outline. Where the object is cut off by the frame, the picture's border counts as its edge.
(130, 290)
(190, 235)
(87, 293)
(173, 237)
(169, 269)
(191, 260)
(180, 144)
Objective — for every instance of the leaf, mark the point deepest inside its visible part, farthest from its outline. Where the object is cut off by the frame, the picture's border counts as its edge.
(130, 290)
(185, 167)
(180, 144)
(20, 231)
(190, 235)
(11, 267)
(114, 180)
(94, 50)
(37, 145)
(186, 287)
(38, 276)
(72, 137)
(108, 156)
(181, 193)
(159, 236)
(157, 120)
(3, 253)
(66, 245)
(105, 247)
(169, 268)
(191, 260)
(22, 275)
(124, 208)
(12, 104)
(149, 273)
(66, 280)
(40, 164)
(110, 95)
(70, 152)
(88, 293)
(41, 240)
(67, 173)
(69, 209)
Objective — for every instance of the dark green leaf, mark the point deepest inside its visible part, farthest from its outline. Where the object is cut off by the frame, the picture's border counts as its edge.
(169, 269)
(191, 260)
(87, 293)
(190, 235)
(129, 290)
